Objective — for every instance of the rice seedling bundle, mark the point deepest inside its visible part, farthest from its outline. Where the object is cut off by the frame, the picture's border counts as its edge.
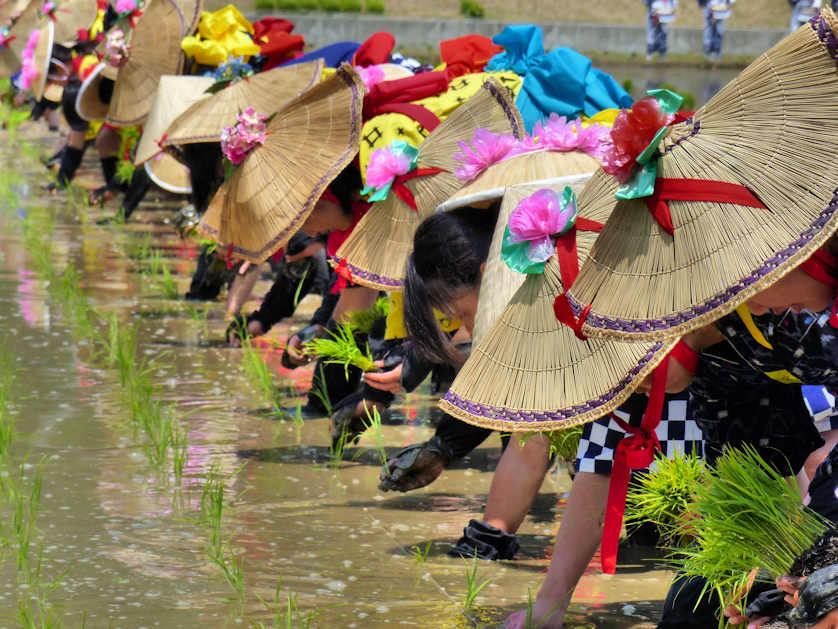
(341, 349)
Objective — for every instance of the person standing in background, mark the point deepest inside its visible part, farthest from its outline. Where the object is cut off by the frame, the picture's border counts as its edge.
(803, 10)
(715, 14)
(659, 14)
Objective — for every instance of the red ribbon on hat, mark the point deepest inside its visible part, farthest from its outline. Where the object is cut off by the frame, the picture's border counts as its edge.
(403, 192)
(568, 257)
(135, 15)
(667, 189)
(161, 140)
(396, 96)
(636, 451)
(344, 277)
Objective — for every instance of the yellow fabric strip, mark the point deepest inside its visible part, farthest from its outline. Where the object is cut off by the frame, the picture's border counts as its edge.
(748, 320)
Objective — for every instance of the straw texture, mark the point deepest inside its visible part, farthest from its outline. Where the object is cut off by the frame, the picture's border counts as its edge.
(155, 51)
(772, 130)
(529, 372)
(43, 52)
(274, 190)
(499, 282)
(27, 22)
(70, 18)
(175, 94)
(169, 174)
(529, 167)
(377, 249)
(266, 92)
(10, 9)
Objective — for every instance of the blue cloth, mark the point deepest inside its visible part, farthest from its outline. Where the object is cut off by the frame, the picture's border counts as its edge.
(561, 81)
(333, 54)
(657, 34)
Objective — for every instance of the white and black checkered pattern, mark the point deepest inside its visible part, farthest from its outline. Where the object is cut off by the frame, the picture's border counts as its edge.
(676, 432)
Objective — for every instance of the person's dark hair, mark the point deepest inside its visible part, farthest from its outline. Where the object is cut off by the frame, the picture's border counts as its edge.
(205, 172)
(345, 185)
(448, 251)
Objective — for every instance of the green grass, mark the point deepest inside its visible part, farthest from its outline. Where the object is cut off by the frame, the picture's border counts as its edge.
(362, 321)
(420, 553)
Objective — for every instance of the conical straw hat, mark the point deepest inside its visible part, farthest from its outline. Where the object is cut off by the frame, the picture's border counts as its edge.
(155, 51)
(499, 282)
(531, 167)
(168, 173)
(272, 192)
(27, 21)
(88, 103)
(10, 9)
(377, 249)
(771, 130)
(529, 372)
(175, 94)
(42, 54)
(9, 64)
(266, 92)
(71, 17)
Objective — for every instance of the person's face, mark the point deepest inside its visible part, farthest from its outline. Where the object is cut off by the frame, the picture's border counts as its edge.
(322, 218)
(464, 308)
(797, 290)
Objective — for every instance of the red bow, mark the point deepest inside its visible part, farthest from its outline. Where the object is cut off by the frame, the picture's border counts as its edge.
(344, 277)
(7, 40)
(568, 257)
(694, 190)
(229, 257)
(396, 97)
(161, 140)
(135, 15)
(636, 452)
(403, 192)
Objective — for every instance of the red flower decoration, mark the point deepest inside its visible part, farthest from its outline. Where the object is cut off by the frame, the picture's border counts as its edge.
(632, 132)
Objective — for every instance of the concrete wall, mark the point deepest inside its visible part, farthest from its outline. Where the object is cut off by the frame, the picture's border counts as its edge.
(321, 29)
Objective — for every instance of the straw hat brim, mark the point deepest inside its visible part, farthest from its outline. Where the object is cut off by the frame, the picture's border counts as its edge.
(27, 21)
(175, 94)
(9, 63)
(71, 17)
(378, 247)
(8, 10)
(41, 57)
(88, 104)
(771, 130)
(529, 372)
(168, 173)
(527, 168)
(155, 51)
(266, 92)
(272, 192)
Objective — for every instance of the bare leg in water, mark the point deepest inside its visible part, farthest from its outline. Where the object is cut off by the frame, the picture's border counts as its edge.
(576, 542)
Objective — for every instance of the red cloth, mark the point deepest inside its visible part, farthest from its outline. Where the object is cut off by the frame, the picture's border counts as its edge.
(275, 41)
(337, 236)
(398, 96)
(375, 50)
(467, 55)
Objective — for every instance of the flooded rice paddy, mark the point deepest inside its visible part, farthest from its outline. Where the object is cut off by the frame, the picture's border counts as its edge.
(172, 496)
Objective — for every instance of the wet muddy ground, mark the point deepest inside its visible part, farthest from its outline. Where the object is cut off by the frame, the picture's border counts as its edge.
(128, 538)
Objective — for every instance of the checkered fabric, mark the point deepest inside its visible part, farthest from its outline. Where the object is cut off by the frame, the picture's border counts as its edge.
(676, 432)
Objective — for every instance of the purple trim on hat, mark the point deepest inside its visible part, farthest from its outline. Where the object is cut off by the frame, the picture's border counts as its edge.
(564, 414)
(366, 275)
(503, 101)
(694, 132)
(325, 180)
(825, 34)
(653, 325)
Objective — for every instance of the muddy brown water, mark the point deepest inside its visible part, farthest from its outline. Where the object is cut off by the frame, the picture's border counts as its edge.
(130, 539)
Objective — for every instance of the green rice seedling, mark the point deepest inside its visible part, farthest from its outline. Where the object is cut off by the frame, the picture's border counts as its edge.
(663, 495)
(372, 421)
(563, 443)
(529, 620)
(179, 446)
(341, 349)
(142, 249)
(336, 449)
(300, 286)
(260, 373)
(26, 502)
(8, 375)
(159, 425)
(231, 567)
(167, 282)
(122, 349)
(420, 553)
(362, 321)
(320, 391)
(745, 516)
(212, 504)
(473, 587)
